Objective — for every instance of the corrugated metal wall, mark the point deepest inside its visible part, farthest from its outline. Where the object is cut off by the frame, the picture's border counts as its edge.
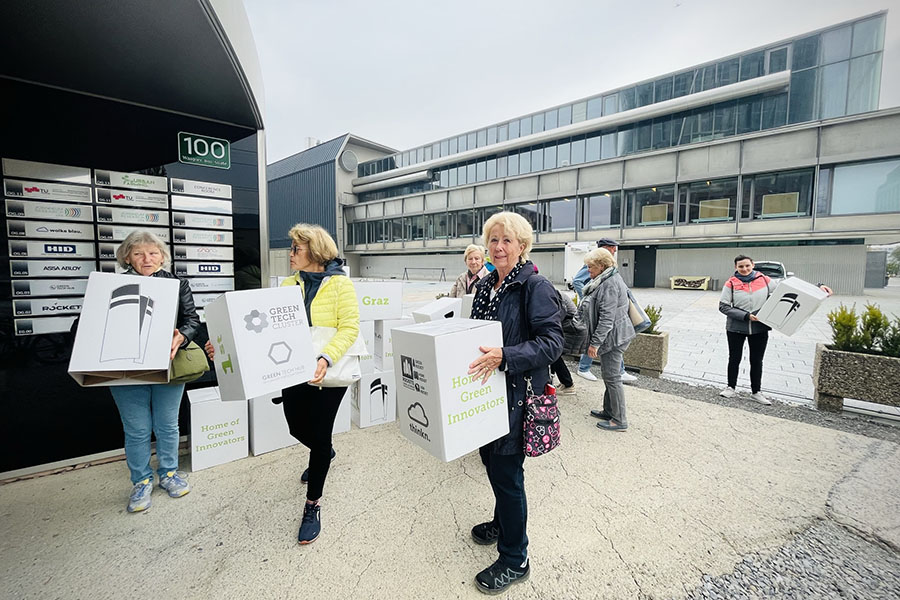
(307, 196)
(841, 267)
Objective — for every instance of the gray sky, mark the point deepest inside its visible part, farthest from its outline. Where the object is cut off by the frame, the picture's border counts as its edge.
(404, 73)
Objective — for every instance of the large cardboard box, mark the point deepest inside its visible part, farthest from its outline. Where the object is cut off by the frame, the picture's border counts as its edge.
(442, 408)
(219, 430)
(374, 399)
(367, 360)
(790, 305)
(342, 419)
(379, 300)
(467, 301)
(268, 427)
(384, 353)
(262, 341)
(125, 332)
(442, 308)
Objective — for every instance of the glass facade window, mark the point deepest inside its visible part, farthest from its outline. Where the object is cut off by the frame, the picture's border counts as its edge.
(774, 111)
(778, 59)
(579, 112)
(454, 145)
(481, 138)
(470, 141)
(683, 84)
(563, 153)
(577, 150)
(529, 210)
(868, 36)
(524, 126)
(502, 133)
(806, 53)
(491, 135)
(662, 133)
(865, 81)
(727, 71)
(625, 141)
(608, 145)
(537, 159)
(524, 162)
(833, 89)
(705, 201)
(774, 195)
(452, 177)
(564, 115)
(375, 234)
(708, 74)
(537, 123)
(482, 215)
(872, 187)
(470, 172)
(835, 45)
(513, 129)
(465, 223)
(437, 226)
(594, 108)
(427, 153)
(480, 170)
(415, 228)
(559, 215)
(501, 166)
(823, 195)
(445, 178)
(642, 136)
(396, 227)
(491, 164)
(650, 206)
(513, 163)
(601, 211)
(445, 147)
(626, 99)
(550, 119)
(550, 156)
(592, 147)
(662, 90)
(724, 119)
(610, 104)
(703, 125)
(752, 65)
(802, 102)
(643, 94)
(749, 115)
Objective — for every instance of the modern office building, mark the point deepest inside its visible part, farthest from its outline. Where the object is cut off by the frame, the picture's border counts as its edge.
(779, 152)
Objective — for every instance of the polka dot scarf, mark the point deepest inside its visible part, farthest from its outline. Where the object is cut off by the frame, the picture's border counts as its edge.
(486, 308)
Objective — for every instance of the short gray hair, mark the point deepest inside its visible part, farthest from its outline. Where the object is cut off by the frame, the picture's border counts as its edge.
(600, 257)
(136, 238)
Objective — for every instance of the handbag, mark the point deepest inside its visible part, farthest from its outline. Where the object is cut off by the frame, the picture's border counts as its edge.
(542, 427)
(345, 371)
(638, 317)
(188, 365)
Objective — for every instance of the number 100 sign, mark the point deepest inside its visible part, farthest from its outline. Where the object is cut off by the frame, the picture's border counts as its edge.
(204, 151)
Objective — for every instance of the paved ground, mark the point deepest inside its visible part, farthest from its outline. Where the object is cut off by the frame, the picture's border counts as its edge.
(694, 500)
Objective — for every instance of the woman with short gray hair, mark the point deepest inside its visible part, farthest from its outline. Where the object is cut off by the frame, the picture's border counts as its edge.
(147, 408)
(465, 283)
(604, 308)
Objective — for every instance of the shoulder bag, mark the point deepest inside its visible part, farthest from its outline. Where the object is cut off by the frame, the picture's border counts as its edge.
(542, 427)
(638, 317)
(345, 371)
(188, 365)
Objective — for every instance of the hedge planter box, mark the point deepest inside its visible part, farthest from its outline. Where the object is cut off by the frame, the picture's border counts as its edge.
(868, 377)
(648, 352)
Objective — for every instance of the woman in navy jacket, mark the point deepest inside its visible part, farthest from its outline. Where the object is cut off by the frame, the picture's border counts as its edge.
(529, 308)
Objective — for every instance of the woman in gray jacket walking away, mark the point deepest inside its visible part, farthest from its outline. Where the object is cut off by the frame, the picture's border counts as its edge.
(604, 309)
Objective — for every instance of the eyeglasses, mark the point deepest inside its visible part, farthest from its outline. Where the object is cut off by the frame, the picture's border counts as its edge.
(295, 249)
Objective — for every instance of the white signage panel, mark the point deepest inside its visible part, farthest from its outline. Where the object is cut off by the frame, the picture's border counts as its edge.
(219, 430)
(132, 198)
(198, 236)
(203, 253)
(117, 233)
(379, 300)
(48, 210)
(207, 205)
(188, 269)
(133, 216)
(47, 306)
(44, 325)
(48, 287)
(211, 284)
(110, 266)
(180, 219)
(35, 170)
(131, 181)
(51, 268)
(204, 300)
(23, 249)
(47, 230)
(35, 190)
(200, 188)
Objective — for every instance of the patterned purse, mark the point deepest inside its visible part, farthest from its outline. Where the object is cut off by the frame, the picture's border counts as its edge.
(541, 421)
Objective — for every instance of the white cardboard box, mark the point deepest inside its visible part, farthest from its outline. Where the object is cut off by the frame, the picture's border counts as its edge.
(125, 332)
(379, 300)
(367, 360)
(268, 427)
(442, 408)
(467, 302)
(342, 419)
(262, 341)
(384, 354)
(219, 430)
(374, 399)
(790, 305)
(442, 308)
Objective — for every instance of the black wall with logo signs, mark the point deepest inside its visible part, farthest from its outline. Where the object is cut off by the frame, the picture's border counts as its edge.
(47, 417)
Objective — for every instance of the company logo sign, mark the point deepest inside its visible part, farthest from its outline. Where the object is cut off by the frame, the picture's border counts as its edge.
(59, 249)
(280, 353)
(209, 268)
(15, 209)
(255, 321)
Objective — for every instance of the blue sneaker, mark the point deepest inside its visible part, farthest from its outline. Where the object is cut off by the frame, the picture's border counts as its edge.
(140, 496)
(311, 524)
(175, 484)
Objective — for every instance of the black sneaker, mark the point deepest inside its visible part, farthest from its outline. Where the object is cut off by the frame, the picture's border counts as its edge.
(311, 524)
(600, 414)
(304, 478)
(486, 533)
(498, 577)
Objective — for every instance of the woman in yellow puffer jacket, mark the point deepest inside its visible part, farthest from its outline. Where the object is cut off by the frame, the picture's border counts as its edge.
(310, 410)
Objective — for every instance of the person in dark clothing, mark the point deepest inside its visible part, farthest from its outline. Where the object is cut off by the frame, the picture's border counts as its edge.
(559, 368)
(528, 306)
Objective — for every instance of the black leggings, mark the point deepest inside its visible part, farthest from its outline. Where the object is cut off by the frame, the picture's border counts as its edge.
(757, 343)
(562, 371)
(310, 412)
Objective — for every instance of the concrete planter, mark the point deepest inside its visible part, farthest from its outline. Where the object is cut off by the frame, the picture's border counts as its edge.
(648, 352)
(838, 375)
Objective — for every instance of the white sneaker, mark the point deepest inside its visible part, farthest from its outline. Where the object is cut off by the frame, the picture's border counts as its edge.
(759, 397)
(728, 392)
(586, 375)
(628, 377)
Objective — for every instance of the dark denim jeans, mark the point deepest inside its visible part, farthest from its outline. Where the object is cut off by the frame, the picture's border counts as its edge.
(507, 476)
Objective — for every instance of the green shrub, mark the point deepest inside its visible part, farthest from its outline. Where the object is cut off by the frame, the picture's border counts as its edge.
(872, 328)
(843, 323)
(654, 313)
(890, 341)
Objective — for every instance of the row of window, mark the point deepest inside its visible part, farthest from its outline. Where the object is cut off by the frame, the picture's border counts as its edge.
(838, 44)
(872, 187)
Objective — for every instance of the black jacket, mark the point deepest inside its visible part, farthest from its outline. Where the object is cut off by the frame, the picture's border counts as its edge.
(188, 322)
(532, 340)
